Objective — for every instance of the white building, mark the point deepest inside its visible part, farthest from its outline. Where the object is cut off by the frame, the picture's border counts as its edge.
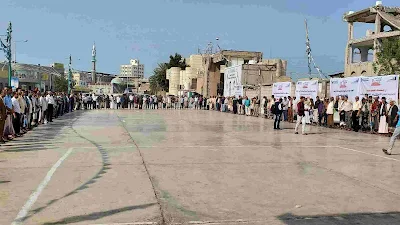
(133, 70)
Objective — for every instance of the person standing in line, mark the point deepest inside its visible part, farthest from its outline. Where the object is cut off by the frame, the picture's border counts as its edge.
(285, 108)
(290, 109)
(22, 103)
(17, 114)
(295, 101)
(9, 131)
(356, 114)
(348, 108)
(278, 114)
(44, 108)
(3, 116)
(330, 112)
(392, 114)
(247, 105)
(50, 102)
(29, 112)
(383, 114)
(196, 102)
(131, 103)
(301, 118)
(118, 102)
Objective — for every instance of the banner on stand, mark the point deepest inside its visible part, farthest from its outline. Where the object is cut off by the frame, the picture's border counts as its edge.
(281, 89)
(345, 86)
(307, 89)
(381, 86)
(232, 81)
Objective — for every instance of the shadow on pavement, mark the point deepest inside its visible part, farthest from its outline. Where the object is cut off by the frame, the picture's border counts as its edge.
(98, 215)
(342, 219)
(103, 170)
(47, 133)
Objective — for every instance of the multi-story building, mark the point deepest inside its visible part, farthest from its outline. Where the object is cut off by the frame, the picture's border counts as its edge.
(361, 52)
(133, 70)
(84, 78)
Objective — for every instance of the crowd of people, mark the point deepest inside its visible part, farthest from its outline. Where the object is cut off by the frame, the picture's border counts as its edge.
(22, 110)
(370, 114)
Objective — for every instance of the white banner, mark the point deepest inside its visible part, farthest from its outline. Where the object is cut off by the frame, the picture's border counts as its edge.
(14, 83)
(382, 86)
(281, 89)
(233, 81)
(307, 89)
(345, 86)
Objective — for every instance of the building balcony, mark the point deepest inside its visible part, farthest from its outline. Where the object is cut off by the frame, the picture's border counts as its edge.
(369, 40)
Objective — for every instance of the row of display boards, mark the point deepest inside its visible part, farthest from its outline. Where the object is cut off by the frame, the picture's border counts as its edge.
(382, 86)
(379, 86)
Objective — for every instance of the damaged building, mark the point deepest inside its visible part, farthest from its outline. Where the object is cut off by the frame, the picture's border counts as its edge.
(361, 52)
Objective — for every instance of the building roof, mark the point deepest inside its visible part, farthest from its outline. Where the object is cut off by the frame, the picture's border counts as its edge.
(98, 73)
(336, 75)
(390, 19)
(226, 54)
(32, 67)
(368, 15)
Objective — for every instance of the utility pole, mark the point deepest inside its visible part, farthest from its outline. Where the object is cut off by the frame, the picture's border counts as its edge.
(69, 74)
(7, 50)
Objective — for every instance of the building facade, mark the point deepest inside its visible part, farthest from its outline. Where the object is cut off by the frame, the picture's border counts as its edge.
(361, 52)
(185, 80)
(133, 70)
(205, 74)
(84, 78)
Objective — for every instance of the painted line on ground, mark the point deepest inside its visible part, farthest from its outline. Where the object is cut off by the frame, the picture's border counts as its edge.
(236, 146)
(366, 153)
(136, 223)
(34, 196)
(105, 147)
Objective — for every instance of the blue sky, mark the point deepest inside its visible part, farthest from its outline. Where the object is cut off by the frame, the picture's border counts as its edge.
(151, 30)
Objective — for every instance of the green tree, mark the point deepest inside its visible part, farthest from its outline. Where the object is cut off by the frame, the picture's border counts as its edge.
(60, 84)
(388, 57)
(158, 81)
(177, 61)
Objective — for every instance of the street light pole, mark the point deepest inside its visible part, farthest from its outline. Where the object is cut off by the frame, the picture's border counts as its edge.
(15, 49)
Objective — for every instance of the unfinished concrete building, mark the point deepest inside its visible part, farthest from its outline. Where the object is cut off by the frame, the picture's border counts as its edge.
(256, 72)
(361, 53)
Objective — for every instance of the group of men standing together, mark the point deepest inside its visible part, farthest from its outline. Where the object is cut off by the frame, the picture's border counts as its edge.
(22, 110)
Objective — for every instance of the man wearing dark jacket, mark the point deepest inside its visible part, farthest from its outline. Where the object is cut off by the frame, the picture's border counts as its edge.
(278, 113)
(300, 117)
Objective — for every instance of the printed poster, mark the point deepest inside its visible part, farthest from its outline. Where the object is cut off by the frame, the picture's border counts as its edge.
(307, 89)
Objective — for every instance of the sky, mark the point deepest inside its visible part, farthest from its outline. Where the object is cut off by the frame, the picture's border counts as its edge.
(151, 30)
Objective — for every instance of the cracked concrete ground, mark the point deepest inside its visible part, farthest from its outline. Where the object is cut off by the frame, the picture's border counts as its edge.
(176, 167)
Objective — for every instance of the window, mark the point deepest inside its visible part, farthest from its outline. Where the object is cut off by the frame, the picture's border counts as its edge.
(387, 28)
(356, 55)
(370, 55)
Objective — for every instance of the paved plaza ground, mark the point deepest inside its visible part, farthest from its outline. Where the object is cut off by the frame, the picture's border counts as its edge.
(197, 167)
